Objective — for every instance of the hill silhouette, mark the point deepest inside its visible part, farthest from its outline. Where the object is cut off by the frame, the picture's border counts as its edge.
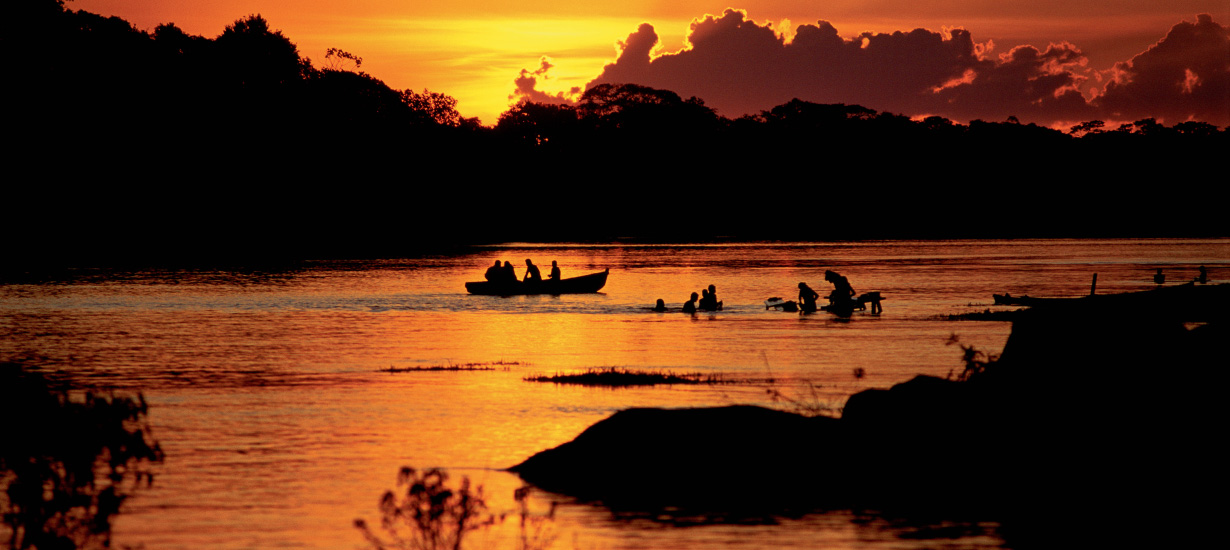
(165, 146)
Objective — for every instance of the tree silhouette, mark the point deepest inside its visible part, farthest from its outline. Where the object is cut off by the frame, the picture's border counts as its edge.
(540, 123)
(69, 464)
(255, 57)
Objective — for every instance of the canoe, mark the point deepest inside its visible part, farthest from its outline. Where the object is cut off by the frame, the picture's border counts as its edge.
(584, 284)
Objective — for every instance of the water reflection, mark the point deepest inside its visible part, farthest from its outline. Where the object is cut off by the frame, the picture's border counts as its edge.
(268, 392)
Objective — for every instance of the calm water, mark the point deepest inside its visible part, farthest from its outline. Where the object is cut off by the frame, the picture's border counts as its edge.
(280, 428)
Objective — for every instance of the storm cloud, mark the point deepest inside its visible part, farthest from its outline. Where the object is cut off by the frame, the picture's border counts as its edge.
(739, 67)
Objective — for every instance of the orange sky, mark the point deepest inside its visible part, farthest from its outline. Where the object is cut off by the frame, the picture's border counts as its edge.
(474, 49)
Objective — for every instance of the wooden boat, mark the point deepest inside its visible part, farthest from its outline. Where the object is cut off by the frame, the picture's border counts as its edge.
(584, 284)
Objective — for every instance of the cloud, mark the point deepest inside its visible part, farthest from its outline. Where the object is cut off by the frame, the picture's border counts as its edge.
(739, 66)
(527, 86)
(1186, 75)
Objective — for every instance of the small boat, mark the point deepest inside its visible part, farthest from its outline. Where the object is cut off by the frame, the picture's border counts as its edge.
(584, 284)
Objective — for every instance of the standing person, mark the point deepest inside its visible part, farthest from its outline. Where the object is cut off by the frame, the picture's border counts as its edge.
(807, 298)
(532, 275)
(1159, 278)
(1203, 277)
(554, 271)
(717, 304)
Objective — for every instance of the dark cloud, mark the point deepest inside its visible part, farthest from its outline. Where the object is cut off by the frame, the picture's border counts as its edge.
(738, 66)
(1184, 76)
(527, 86)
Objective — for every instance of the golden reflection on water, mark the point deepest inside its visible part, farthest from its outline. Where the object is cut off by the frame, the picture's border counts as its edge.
(280, 427)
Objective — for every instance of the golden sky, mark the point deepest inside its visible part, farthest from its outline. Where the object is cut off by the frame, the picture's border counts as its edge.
(473, 50)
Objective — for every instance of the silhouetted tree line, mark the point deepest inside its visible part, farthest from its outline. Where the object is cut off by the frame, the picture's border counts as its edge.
(170, 144)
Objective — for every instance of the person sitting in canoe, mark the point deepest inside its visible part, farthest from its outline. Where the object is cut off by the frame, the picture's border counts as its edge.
(532, 275)
(807, 298)
(509, 274)
(690, 305)
(493, 272)
(554, 271)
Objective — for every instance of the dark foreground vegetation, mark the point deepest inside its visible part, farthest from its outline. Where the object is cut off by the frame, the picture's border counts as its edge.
(1095, 426)
(67, 464)
(425, 512)
(136, 144)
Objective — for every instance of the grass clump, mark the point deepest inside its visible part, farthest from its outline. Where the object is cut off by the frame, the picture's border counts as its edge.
(476, 366)
(619, 377)
(987, 315)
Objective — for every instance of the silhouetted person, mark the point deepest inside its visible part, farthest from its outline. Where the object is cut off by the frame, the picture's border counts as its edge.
(873, 298)
(842, 290)
(532, 275)
(660, 306)
(1159, 277)
(709, 301)
(706, 302)
(493, 272)
(690, 305)
(807, 298)
(554, 271)
(509, 274)
(1203, 277)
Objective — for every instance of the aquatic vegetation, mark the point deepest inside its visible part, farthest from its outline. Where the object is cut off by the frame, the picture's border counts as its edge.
(536, 532)
(986, 315)
(488, 365)
(976, 361)
(68, 464)
(806, 402)
(617, 377)
(425, 513)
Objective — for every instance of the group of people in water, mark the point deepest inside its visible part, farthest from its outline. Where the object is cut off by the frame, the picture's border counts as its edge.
(705, 301)
(1202, 277)
(842, 300)
(505, 274)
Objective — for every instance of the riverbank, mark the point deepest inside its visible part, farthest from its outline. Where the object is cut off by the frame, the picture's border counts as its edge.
(1066, 428)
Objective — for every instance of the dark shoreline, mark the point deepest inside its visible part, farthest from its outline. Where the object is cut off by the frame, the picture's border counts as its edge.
(1050, 440)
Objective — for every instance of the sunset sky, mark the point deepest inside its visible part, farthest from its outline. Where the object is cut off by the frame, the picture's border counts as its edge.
(487, 54)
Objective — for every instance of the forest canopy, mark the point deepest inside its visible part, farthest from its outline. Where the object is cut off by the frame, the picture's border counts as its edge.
(165, 143)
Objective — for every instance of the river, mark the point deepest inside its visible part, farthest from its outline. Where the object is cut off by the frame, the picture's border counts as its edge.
(271, 394)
